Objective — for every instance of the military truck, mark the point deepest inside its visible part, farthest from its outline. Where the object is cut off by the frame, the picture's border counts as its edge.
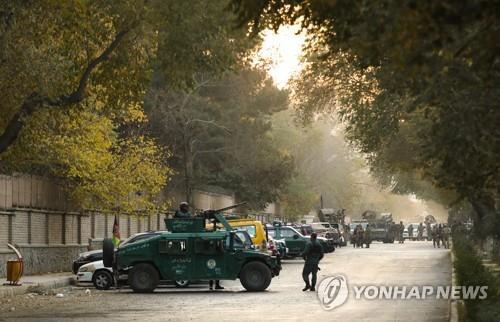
(189, 252)
(380, 226)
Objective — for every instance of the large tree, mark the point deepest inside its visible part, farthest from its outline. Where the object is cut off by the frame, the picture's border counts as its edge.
(73, 77)
(415, 81)
(219, 133)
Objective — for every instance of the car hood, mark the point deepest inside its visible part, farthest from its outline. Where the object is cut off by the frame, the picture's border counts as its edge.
(95, 265)
(92, 252)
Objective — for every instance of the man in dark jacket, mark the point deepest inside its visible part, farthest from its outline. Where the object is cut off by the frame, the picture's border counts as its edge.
(312, 254)
(183, 211)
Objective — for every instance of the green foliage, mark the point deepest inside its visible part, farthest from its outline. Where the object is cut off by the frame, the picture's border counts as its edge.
(219, 134)
(471, 272)
(297, 199)
(413, 80)
(73, 77)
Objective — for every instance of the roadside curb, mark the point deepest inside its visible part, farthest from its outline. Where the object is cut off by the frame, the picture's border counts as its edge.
(453, 314)
(9, 291)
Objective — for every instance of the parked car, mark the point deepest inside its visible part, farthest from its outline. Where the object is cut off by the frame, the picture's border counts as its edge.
(255, 228)
(96, 255)
(277, 246)
(405, 234)
(328, 231)
(295, 241)
(96, 273)
(304, 229)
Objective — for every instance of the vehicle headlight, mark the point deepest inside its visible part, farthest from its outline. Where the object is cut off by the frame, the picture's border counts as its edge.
(87, 269)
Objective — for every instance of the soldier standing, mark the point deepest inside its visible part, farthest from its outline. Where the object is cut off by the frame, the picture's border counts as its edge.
(312, 254)
(429, 230)
(446, 236)
(435, 236)
(360, 236)
(420, 231)
(401, 231)
(368, 237)
(410, 232)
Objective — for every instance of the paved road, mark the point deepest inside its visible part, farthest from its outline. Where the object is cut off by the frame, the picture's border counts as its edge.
(412, 263)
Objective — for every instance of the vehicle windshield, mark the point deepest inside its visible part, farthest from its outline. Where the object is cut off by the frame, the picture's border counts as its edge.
(238, 243)
(249, 228)
(245, 237)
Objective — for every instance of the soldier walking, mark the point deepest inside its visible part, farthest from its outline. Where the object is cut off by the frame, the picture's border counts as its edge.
(312, 254)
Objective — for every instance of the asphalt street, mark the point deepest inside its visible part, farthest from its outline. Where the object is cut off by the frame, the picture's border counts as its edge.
(412, 263)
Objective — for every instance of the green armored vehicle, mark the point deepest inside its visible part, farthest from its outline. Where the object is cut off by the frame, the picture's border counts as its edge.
(189, 252)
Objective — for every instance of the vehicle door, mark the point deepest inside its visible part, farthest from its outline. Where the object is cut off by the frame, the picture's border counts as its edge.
(294, 241)
(175, 260)
(209, 258)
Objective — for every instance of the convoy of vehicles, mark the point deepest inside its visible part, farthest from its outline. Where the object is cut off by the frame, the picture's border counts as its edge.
(190, 250)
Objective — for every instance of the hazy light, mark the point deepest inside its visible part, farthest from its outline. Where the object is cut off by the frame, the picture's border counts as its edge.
(281, 52)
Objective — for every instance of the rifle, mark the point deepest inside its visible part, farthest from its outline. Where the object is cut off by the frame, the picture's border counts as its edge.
(209, 214)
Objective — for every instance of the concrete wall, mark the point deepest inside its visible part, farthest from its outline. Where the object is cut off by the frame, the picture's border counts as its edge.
(36, 217)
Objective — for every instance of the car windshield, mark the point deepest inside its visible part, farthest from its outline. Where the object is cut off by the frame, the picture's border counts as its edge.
(238, 243)
(249, 228)
(245, 237)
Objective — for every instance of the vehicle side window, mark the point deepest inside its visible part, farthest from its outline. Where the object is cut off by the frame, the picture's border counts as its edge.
(208, 246)
(167, 246)
(271, 232)
(287, 233)
(252, 231)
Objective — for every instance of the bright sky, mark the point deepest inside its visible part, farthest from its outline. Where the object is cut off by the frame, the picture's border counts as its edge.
(282, 50)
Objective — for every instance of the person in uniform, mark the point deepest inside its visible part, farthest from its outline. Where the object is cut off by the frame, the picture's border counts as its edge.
(429, 230)
(313, 253)
(217, 285)
(360, 236)
(354, 237)
(368, 236)
(420, 231)
(445, 237)
(183, 211)
(401, 231)
(410, 232)
(435, 236)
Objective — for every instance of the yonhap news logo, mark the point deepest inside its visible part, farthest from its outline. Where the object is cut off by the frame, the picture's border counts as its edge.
(333, 291)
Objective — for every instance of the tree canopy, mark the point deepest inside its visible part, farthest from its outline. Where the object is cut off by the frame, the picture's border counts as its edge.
(415, 82)
(219, 133)
(74, 75)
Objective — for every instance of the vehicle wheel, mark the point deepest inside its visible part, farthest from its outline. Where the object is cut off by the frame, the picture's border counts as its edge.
(143, 278)
(181, 283)
(108, 252)
(102, 280)
(255, 276)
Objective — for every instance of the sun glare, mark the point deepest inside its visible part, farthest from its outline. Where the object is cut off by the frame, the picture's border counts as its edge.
(281, 52)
